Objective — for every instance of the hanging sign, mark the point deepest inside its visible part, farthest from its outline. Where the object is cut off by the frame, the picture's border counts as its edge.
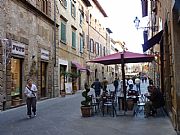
(18, 48)
(44, 54)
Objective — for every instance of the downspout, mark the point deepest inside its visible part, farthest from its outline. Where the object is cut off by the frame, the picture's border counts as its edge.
(54, 48)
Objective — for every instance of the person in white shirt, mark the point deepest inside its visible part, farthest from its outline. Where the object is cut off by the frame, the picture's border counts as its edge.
(130, 83)
(137, 82)
(30, 94)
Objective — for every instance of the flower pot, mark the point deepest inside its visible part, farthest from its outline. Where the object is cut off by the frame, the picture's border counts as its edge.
(86, 111)
(16, 102)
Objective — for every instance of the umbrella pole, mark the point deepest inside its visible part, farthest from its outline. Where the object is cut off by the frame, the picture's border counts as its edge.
(123, 78)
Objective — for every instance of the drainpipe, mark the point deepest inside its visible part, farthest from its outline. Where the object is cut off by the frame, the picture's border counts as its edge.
(54, 47)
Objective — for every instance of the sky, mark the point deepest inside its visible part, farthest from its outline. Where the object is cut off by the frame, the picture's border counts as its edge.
(121, 14)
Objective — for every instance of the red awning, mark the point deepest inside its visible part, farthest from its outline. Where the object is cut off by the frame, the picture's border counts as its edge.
(78, 66)
(129, 57)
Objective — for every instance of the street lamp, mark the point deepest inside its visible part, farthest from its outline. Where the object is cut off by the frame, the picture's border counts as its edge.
(136, 22)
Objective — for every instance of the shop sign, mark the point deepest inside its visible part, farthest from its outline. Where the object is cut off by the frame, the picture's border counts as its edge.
(18, 48)
(44, 54)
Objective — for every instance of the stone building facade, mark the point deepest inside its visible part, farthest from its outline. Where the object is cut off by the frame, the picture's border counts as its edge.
(168, 18)
(26, 34)
(81, 38)
(169, 13)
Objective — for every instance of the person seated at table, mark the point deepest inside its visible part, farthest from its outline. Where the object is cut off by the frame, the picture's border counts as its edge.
(97, 87)
(130, 83)
(156, 100)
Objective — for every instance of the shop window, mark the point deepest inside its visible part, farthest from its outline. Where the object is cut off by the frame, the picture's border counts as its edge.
(43, 79)
(16, 71)
(63, 77)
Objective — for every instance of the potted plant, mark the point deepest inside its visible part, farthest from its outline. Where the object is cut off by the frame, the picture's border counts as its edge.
(85, 104)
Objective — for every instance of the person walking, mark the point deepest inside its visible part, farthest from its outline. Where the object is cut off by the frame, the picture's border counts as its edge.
(30, 94)
(97, 87)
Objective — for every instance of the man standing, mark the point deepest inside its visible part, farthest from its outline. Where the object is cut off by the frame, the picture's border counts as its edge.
(30, 94)
(116, 84)
(104, 84)
(97, 87)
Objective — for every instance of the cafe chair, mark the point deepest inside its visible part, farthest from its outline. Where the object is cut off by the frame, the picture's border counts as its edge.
(94, 104)
(108, 103)
(140, 104)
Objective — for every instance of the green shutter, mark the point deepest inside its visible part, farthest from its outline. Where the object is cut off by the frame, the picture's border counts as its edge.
(73, 39)
(81, 44)
(63, 32)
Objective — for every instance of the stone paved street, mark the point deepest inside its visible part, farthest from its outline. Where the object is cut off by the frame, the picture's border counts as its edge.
(61, 116)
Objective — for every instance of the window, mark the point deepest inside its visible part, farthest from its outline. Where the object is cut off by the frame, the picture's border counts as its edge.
(73, 10)
(64, 3)
(73, 39)
(87, 39)
(63, 32)
(44, 6)
(97, 48)
(81, 19)
(91, 45)
(100, 49)
(104, 51)
(81, 44)
(16, 68)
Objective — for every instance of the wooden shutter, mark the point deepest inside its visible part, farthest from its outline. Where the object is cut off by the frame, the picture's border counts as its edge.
(73, 39)
(63, 32)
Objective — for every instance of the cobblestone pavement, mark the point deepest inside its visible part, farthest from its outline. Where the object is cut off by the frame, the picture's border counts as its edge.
(62, 116)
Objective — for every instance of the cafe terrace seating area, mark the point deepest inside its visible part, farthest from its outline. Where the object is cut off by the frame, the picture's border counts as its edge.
(112, 104)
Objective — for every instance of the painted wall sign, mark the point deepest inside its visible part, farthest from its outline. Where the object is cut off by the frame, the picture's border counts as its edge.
(18, 48)
(44, 54)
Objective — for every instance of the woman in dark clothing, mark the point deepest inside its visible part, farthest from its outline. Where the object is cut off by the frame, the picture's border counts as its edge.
(97, 87)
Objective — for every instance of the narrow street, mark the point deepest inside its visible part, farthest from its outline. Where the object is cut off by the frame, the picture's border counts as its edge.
(62, 116)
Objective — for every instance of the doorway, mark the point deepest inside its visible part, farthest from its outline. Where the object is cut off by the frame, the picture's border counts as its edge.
(43, 79)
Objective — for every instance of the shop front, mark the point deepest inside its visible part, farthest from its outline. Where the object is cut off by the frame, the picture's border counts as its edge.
(44, 73)
(63, 80)
(16, 62)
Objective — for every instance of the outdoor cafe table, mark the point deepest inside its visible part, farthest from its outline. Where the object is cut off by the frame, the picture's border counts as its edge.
(120, 98)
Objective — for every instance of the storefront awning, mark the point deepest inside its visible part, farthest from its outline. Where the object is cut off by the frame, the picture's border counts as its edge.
(78, 66)
(151, 42)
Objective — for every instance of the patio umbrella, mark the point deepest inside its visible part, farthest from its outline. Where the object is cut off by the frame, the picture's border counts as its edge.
(122, 58)
(129, 57)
